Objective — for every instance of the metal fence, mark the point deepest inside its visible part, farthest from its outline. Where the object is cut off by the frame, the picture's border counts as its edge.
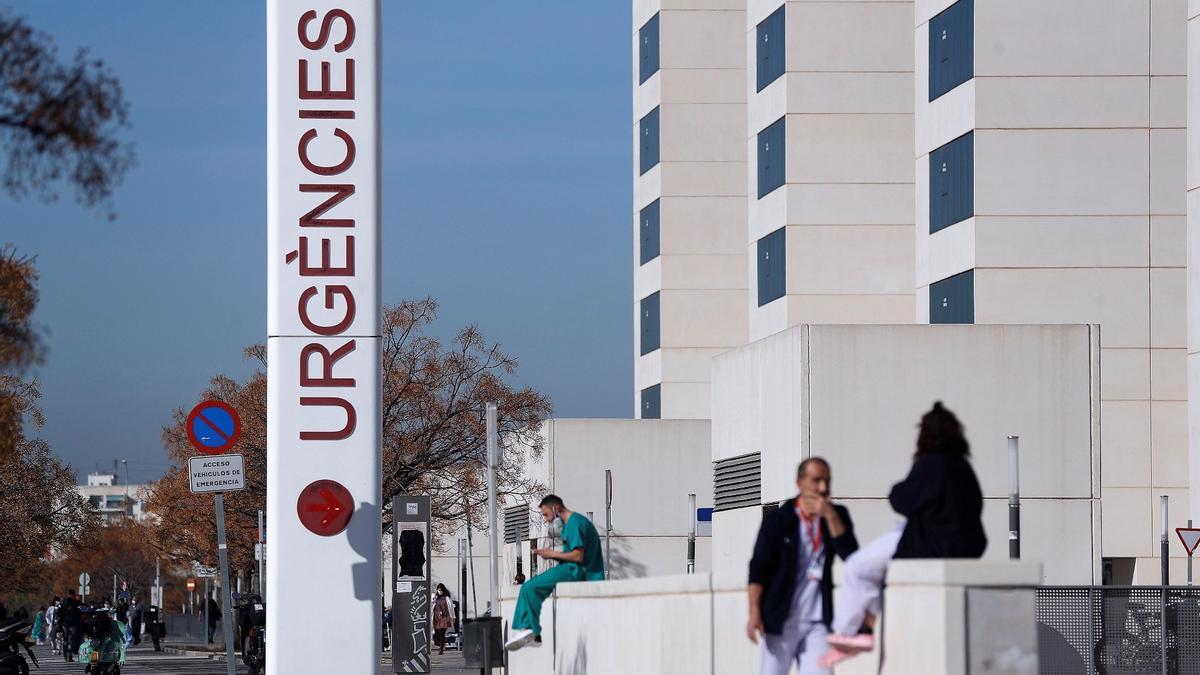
(1118, 630)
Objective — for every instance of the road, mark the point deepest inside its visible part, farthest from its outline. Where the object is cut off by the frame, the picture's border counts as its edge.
(143, 660)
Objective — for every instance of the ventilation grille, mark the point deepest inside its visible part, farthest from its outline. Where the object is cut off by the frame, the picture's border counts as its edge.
(737, 482)
(516, 523)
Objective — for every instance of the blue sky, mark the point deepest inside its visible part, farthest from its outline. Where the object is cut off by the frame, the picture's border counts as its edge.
(507, 164)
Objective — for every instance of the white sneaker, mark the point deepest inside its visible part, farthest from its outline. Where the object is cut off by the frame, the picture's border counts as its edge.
(519, 639)
(534, 643)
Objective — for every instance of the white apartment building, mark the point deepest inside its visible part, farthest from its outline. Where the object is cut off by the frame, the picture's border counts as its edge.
(1050, 189)
(689, 210)
(829, 138)
(112, 501)
(929, 162)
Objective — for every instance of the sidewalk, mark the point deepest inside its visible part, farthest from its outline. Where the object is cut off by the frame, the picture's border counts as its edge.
(451, 663)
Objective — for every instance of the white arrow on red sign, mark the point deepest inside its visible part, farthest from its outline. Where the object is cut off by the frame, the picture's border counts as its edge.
(1190, 536)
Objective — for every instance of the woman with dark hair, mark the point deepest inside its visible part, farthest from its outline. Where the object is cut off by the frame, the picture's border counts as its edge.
(442, 620)
(942, 503)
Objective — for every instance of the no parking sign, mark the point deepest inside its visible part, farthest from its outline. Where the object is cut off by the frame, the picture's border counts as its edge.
(213, 427)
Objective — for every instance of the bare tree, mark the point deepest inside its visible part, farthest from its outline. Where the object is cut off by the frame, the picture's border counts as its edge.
(59, 121)
(433, 435)
(43, 512)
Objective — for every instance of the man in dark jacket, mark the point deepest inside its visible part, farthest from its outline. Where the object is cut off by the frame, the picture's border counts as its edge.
(214, 615)
(791, 574)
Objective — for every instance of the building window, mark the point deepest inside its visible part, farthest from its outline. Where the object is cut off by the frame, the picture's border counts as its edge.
(649, 313)
(770, 158)
(771, 53)
(648, 49)
(952, 300)
(772, 259)
(951, 48)
(652, 402)
(648, 133)
(648, 246)
(952, 182)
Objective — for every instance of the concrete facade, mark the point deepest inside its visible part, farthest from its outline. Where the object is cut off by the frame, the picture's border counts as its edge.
(1193, 248)
(698, 187)
(1078, 121)
(854, 394)
(655, 464)
(845, 97)
(968, 616)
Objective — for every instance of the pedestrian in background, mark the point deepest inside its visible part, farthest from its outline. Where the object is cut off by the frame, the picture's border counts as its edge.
(52, 625)
(943, 505)
(790, 587)
(72, 620)
(442, 620)
(39, 627)
(135, 620)
(214, 615)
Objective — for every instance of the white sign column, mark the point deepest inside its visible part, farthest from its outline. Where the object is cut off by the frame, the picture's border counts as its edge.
(323, 302)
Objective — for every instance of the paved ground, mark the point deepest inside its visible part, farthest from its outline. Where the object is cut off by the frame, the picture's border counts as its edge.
(143, 660)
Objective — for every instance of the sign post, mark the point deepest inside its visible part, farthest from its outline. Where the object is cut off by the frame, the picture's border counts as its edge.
(323, 337)
(85, 587)
(213, 427)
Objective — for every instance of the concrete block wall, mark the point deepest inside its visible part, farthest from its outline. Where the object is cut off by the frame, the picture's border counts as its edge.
(695, 624)
(854, 395)
(1078, 114)
(700, 93)
(1193, 249)
(846, 100)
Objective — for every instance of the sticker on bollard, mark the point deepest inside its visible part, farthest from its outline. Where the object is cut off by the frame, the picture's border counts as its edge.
(325, 507)
(213, 427)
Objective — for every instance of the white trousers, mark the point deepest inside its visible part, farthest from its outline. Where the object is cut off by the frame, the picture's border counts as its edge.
(802, 643)
(862, 583)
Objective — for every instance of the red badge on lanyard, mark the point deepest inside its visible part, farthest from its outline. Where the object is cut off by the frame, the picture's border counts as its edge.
(813, 528)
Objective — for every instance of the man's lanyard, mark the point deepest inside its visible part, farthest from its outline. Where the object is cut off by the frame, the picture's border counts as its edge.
(813, 528)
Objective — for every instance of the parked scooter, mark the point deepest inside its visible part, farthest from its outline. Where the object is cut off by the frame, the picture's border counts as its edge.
(13, 636)
(103, 646)
(252, 622)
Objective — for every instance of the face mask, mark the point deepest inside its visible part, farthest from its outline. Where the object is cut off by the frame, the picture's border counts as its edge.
(556, 526)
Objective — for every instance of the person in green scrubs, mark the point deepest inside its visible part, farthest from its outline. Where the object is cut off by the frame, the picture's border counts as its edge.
(579, 560)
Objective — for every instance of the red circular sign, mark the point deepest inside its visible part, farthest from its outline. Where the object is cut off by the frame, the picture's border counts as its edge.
(325, 507)
(213, 427)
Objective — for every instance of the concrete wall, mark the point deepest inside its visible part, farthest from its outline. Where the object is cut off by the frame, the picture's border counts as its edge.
(846, 98)
(854, 394)
(700, 272)
(655, 465)
(695, 624)
(1193, 251)
(1078, 112)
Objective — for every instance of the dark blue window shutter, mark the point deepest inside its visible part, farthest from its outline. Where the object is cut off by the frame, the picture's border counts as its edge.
(648, 133)
(952, 300)
(648, 49)
(772, 267)
(771, 157)
(951, 48)
(952, 182)
(771, 52)
(652, 402)
(649, 322)
(649, 227)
